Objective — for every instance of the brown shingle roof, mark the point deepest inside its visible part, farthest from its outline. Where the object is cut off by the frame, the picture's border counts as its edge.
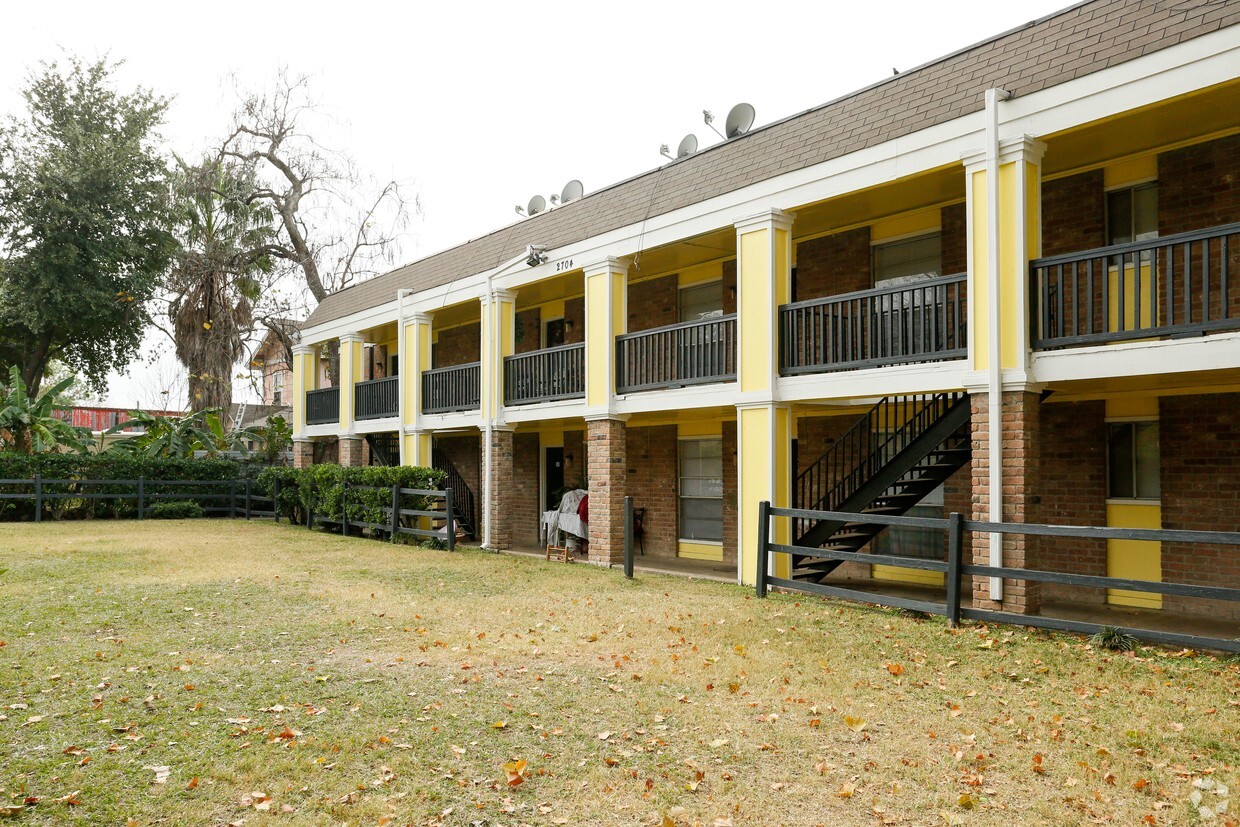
(1077, 41)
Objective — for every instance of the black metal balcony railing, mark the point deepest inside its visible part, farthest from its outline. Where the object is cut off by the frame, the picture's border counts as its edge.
(376, 398)
(545, 375)
(453, 388)
(924, 321)
(1172, 286)
(690, 353)
(322, 406)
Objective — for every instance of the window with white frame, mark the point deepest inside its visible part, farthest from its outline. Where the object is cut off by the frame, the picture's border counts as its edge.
(701, 489)
(907, 260)
(277, 387)
(1132, 213)
(1133, 460)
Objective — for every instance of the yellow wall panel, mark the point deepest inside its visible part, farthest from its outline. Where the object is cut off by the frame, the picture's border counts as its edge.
(1134, 559)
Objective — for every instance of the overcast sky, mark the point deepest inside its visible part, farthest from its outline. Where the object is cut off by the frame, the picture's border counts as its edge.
(479, 106)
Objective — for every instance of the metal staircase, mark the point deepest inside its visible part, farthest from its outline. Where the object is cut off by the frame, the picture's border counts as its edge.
(463, 502)
(900, 451)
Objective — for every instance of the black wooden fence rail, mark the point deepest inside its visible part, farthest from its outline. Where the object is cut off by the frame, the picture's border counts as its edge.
(954, 569)
(243, 498)
(393, 525)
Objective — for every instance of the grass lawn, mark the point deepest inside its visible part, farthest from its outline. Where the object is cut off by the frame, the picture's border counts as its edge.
(227, 672)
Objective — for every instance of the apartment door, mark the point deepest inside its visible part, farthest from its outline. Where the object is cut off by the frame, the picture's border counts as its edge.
(553, 480)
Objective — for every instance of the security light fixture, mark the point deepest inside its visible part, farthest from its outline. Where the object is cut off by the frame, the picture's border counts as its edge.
(535, 254)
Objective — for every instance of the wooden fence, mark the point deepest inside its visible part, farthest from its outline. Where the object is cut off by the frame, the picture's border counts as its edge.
(954, 569)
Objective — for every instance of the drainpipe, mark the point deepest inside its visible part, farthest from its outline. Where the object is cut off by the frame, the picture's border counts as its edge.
(403, 367)
(994, 383)
(489, 421)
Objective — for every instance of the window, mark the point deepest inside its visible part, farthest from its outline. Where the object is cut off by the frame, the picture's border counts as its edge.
(277, 387)
(555, 333)
(1132, 460)
(701, 489)
(702, 301)
(907, 260)
(395, 371)
(1132, 214)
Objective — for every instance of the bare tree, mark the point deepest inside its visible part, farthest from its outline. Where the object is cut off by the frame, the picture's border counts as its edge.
(334, 227)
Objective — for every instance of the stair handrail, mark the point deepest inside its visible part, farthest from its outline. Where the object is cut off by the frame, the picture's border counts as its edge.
(834, 459)
(462, 494)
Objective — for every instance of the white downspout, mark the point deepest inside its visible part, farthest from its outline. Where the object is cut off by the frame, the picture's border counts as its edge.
(489, 421)
(403, 368)
(994, 383)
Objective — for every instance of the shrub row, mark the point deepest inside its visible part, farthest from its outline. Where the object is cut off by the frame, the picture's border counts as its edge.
(322, 488)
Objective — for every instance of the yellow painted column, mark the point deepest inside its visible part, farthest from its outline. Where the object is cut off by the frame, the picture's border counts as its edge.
(763, 425)
(606, 288)
(350, 374)
(499, 324)
(1017, 236)
(415, 358)
(305, 378)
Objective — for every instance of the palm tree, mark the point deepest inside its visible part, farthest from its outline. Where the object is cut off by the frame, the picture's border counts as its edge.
(28, 425)
(217, 275)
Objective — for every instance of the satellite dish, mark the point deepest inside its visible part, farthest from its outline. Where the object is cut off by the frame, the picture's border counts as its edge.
(740, 120)
(688, 146)
(537, 204)
(571, 192)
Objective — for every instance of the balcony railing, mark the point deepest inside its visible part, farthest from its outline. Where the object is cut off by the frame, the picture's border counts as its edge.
(545, 375)
(924, 321)
(453, 388)
(1172, 286)
(376, 398)
(690, 353)
(322, 406)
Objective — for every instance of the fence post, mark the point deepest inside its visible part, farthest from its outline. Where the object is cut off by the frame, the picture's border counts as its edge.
(38, 498)
(232, 499)
(395, 511)
(628, 537)
(955, 549)
(275, 499)
(764, 536)
(248, 501)
(344, 508)
(451, 524)
(142, 497)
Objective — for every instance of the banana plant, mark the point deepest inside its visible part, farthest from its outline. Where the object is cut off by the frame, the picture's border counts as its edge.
(178, 436)
(29, 425)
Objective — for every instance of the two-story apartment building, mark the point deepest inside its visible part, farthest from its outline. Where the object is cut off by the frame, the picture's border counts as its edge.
(1040, 231)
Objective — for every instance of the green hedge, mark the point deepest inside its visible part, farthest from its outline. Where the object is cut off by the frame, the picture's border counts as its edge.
(322, 488)
(174, 510)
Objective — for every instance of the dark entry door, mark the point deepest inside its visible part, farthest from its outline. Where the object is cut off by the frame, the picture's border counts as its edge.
(555, 478)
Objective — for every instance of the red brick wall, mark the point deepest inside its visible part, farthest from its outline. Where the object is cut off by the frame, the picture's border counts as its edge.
(1199, 186)
(652, 483)
(1073, 213)
(954, 222)
(574, 459)
(574, 321)
(833, 264)
(458, 345)
(525, 490)
(729, 286)
(654, 303)
(606, 441)
(499, 502)
(815, 435)
(1073, 491)
(528, 330)
(1199, 439)
(464, 452)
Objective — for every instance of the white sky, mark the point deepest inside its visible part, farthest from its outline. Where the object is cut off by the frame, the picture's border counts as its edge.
(480, 106)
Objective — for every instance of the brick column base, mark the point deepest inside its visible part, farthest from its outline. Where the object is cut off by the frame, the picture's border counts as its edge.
(499, 498)
(606, 458)
(349, 451)
(303, 453)
(1021, 448)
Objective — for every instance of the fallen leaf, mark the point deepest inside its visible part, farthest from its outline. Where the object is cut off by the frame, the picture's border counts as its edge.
(514, 773)
(895, 669)
(161, 773)
(854, 723)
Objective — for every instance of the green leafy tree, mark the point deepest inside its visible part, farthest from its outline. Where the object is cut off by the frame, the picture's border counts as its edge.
(29, 425)
(277, 438)
(178, 436)
(218, 274)
(84, 238)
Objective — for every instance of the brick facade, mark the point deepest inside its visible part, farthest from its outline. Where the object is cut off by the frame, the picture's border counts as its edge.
(499, 498)
(526, 489)
(1199, 441)
(350, 451)
(731, 493)
(458, 345)
(1199, 186)
(1074, 492)
(1021, 429)
(651, 481)
(303, 453)
(575, 459)
(1073, 213)
(654, 303)
(833, 264)
(465, 453)
(954, 221)
(607, 453)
